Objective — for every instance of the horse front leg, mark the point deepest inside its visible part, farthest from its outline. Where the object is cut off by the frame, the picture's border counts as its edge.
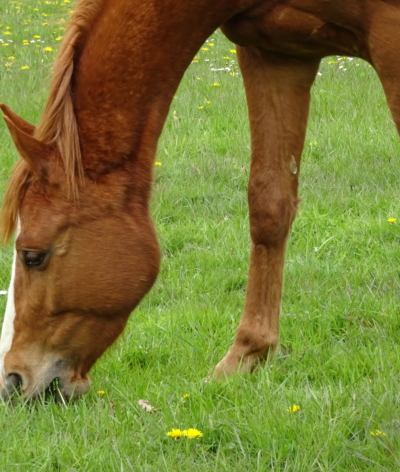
(278, 96)
(383, 44)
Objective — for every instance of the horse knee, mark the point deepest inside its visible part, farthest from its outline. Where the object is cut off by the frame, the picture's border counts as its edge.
(270, 223)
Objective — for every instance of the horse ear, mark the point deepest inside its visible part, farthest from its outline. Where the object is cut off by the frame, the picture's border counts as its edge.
(19, 122)
(35, 152)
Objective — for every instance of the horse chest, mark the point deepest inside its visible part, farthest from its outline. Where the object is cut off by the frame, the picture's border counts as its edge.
(311, 28)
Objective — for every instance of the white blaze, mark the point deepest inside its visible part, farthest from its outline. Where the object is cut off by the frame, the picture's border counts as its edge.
(7, 332)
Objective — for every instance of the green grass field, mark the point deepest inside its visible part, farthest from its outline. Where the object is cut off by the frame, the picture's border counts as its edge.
(339, 361)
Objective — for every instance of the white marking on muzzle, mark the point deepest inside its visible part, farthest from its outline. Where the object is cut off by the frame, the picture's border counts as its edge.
(7, 332)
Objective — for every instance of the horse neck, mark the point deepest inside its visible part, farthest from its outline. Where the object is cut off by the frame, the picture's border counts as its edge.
(128, 69)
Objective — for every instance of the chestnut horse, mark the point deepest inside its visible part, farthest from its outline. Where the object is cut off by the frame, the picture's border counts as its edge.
(85, 249)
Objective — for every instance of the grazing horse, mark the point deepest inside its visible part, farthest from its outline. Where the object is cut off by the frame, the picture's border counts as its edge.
(85, 247)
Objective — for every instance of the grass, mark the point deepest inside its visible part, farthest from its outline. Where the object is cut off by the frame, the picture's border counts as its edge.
(339, 359)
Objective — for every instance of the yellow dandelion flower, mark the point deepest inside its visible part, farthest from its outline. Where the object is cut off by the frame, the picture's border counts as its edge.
(208, 102)
(392, 220)
(11, 58)
(226, 58)
(378, 433)
(36, 36)
(232, 74)
(158, 164)
(195, 62)
(192, 433)
(45, 24)
(211, 44)
(48, 49)
(185, 395)
(198, 78)
(293, 408)
(215, 85)
(101, 393)
(5, 44)
(204, 49)
(59, 38)
(233, 51)
(45, 14)
(200, 108)
(7, 32)
(187, 433)
(175, 433)
(36, 9)
(24, 67)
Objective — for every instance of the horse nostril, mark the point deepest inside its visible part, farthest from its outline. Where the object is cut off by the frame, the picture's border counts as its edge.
(13, 383)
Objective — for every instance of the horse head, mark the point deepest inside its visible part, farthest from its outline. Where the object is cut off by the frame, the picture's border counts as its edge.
(81, 265)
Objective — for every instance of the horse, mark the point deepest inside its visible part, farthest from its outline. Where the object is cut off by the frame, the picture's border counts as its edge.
(77, 201)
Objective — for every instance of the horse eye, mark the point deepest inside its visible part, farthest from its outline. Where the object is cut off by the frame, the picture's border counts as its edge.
(32, 258)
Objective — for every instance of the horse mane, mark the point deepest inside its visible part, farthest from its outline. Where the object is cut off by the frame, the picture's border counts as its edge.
(58, 124)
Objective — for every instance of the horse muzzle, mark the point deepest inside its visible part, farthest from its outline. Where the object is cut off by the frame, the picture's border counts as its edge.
(60, 384)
